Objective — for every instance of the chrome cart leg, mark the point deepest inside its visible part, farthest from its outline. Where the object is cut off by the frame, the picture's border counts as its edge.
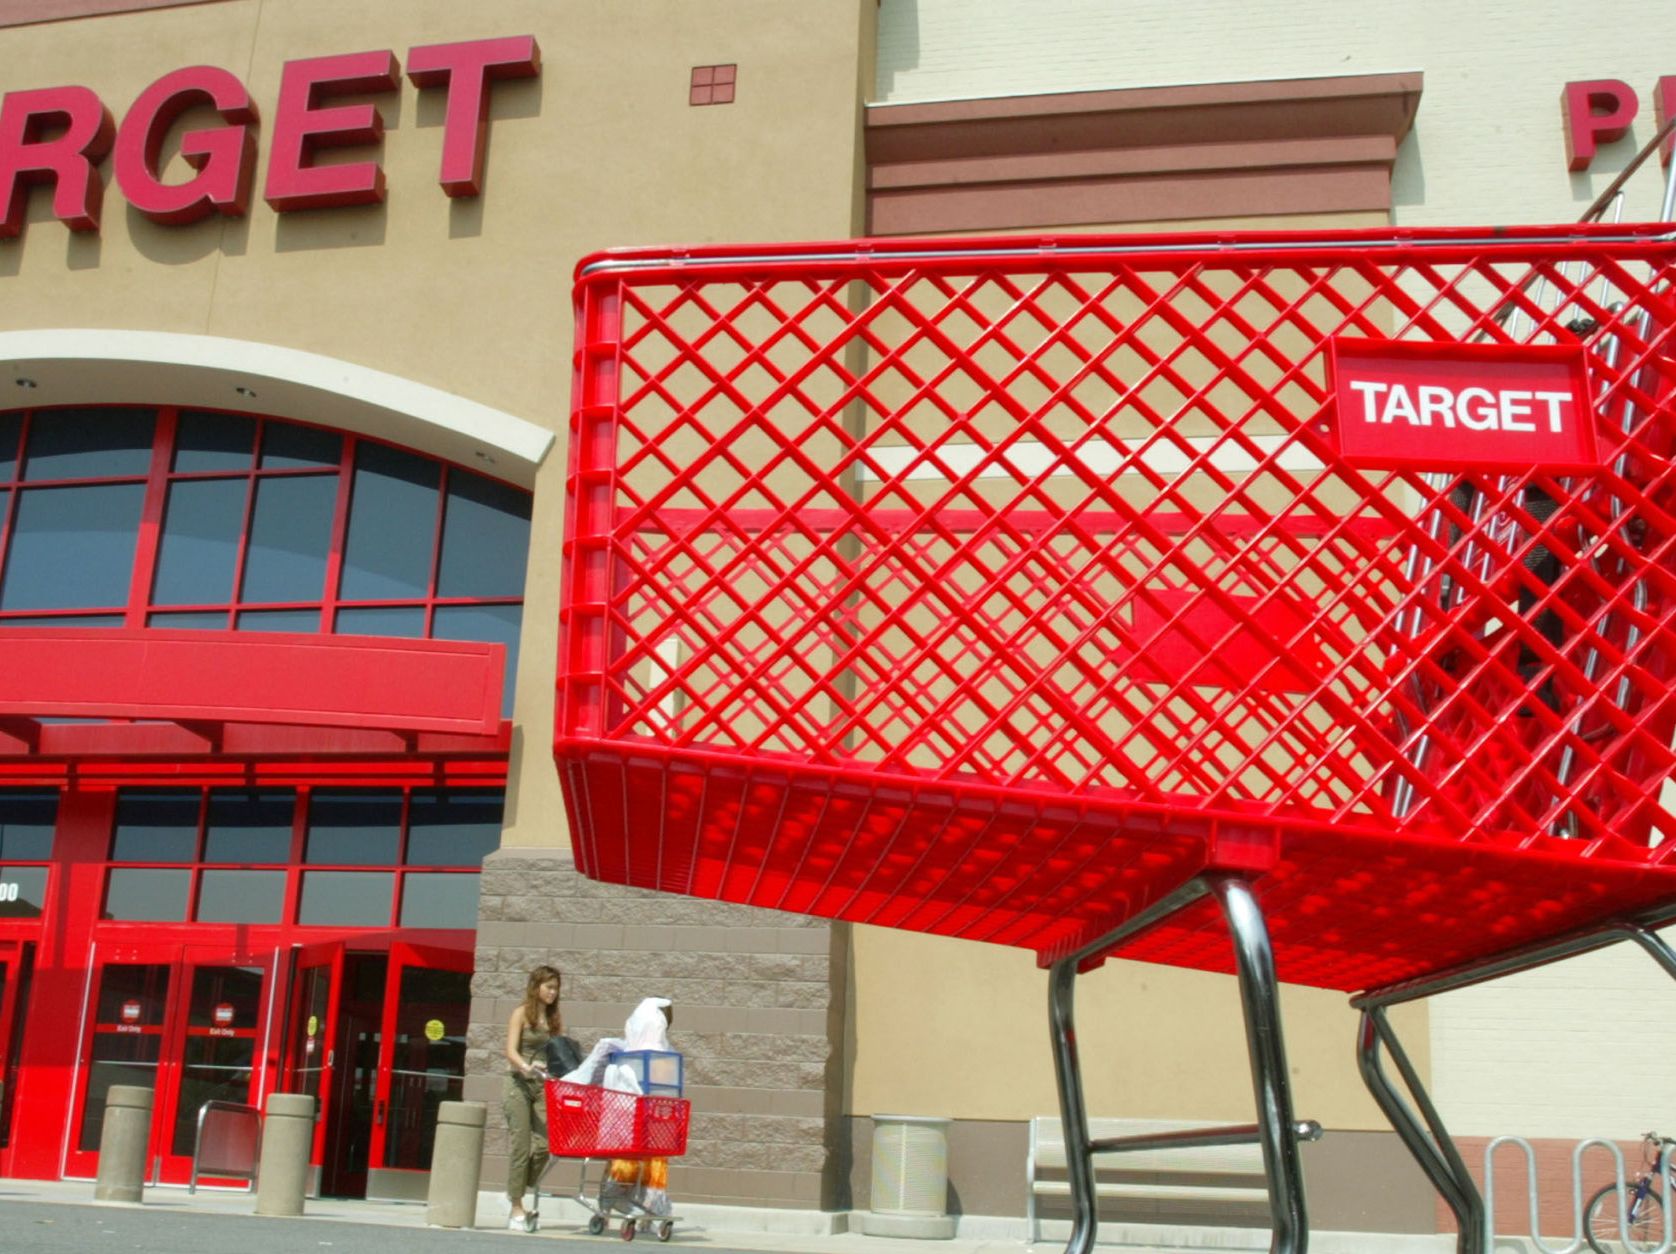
(1067, 1070)
(1073, 1111)
(1430, 1143)
(1270, 1080)
(1436, 1153)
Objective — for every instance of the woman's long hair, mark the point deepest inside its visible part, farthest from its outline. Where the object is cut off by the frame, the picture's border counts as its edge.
(534, 1011)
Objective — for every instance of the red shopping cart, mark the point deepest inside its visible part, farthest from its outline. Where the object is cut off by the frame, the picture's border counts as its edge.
(588, 1122)
(1059, 593)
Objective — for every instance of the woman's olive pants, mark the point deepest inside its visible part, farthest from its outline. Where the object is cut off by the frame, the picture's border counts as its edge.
(526, 1127)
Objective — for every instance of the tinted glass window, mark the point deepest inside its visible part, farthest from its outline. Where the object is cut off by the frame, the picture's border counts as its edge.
(209, 441)
(88, 443)
(494, 623)
(290, 533)
(209, 620)
(72, 548)
(11, 431)
(249, 826)
(348, 898)
(407, 621)
(65, 620)
(439, 900)
(354, 828)
(285, 446)
(392, 525)
(485, 538)
(280, 620)
(454, 828)
(160, 826)
(200, 548)
(26, 823)
(243, 897)
(135, 893)
(23, 892)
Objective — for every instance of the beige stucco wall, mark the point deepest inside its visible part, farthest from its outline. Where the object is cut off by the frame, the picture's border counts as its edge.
(946, 1027)
(469, 296)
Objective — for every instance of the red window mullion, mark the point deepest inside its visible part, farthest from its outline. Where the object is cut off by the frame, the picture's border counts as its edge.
(9, 514)
(151, 518)
(340, 537)
(250, 484)
(294, 873)
(436, 550)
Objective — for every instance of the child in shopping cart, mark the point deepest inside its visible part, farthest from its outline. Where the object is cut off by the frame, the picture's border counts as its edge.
(643, 1181)
(631, 1182)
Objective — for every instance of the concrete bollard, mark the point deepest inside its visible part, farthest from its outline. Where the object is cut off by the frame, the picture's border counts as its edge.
(456, 1165)
(122, 1144)
(287, 1138)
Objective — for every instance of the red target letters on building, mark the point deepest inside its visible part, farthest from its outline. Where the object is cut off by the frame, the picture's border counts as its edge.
(60, 135)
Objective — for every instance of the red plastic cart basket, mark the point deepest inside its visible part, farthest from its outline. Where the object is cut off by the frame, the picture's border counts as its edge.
(992, 590)
(587, 1121)
(1039, 591)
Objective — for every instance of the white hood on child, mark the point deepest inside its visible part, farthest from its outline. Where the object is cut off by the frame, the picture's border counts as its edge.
(648, 1026)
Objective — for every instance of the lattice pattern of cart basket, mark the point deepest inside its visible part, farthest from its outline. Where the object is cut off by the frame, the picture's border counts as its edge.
(1056, 593)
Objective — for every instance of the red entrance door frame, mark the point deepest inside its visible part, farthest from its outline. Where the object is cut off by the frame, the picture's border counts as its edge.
(396, 1097)
(15, 962)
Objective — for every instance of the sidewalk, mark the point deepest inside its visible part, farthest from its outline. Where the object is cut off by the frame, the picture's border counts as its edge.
(725, 1229)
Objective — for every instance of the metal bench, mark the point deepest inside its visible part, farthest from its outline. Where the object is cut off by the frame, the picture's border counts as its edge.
(1160, 1161)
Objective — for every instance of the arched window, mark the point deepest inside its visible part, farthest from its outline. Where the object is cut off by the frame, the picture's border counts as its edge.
(127, 516)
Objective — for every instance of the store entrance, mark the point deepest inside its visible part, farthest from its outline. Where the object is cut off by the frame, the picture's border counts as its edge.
(377, 1037)
(189, 1023)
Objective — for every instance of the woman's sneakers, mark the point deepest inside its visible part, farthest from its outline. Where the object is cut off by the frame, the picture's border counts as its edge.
(518, 1221)
(532, 1220)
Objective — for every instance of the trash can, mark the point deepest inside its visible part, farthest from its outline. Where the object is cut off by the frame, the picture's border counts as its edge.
(910, 1179)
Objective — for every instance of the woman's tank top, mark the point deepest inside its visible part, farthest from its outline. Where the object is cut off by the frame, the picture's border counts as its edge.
(532, 1043)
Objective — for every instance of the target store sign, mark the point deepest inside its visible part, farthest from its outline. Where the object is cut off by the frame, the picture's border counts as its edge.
(61, 136)
(1447, 407)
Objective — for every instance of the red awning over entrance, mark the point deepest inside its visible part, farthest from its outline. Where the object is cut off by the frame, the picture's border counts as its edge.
(206, 680)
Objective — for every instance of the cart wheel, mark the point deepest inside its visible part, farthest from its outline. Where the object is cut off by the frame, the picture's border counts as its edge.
(628, 1229)
(596, 1225)
(666, 1229)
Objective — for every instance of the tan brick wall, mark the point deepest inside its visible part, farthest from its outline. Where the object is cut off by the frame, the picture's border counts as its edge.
(758, 1013)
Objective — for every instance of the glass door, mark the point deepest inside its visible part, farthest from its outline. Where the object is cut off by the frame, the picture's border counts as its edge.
(130, 1005)
(423, 1054)
(15, 970)
(188, 1024)
(311, 1055)
(220, 1047)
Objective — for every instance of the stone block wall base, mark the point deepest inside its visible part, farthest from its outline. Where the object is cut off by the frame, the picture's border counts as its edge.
(926, 1227)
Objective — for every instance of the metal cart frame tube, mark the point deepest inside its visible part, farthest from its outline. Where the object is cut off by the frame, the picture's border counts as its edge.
(1430, 1142)
(1276, 1130)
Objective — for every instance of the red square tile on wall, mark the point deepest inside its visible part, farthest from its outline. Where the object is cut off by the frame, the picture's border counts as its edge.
(712, 84)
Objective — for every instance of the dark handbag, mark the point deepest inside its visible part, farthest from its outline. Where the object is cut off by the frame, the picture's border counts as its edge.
(564, 1055)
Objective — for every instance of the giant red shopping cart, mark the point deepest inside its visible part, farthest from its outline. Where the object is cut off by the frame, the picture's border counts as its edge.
(1057, 593)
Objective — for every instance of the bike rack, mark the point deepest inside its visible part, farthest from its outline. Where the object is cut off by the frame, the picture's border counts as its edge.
(1579, 1238)
(1425, 1136)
